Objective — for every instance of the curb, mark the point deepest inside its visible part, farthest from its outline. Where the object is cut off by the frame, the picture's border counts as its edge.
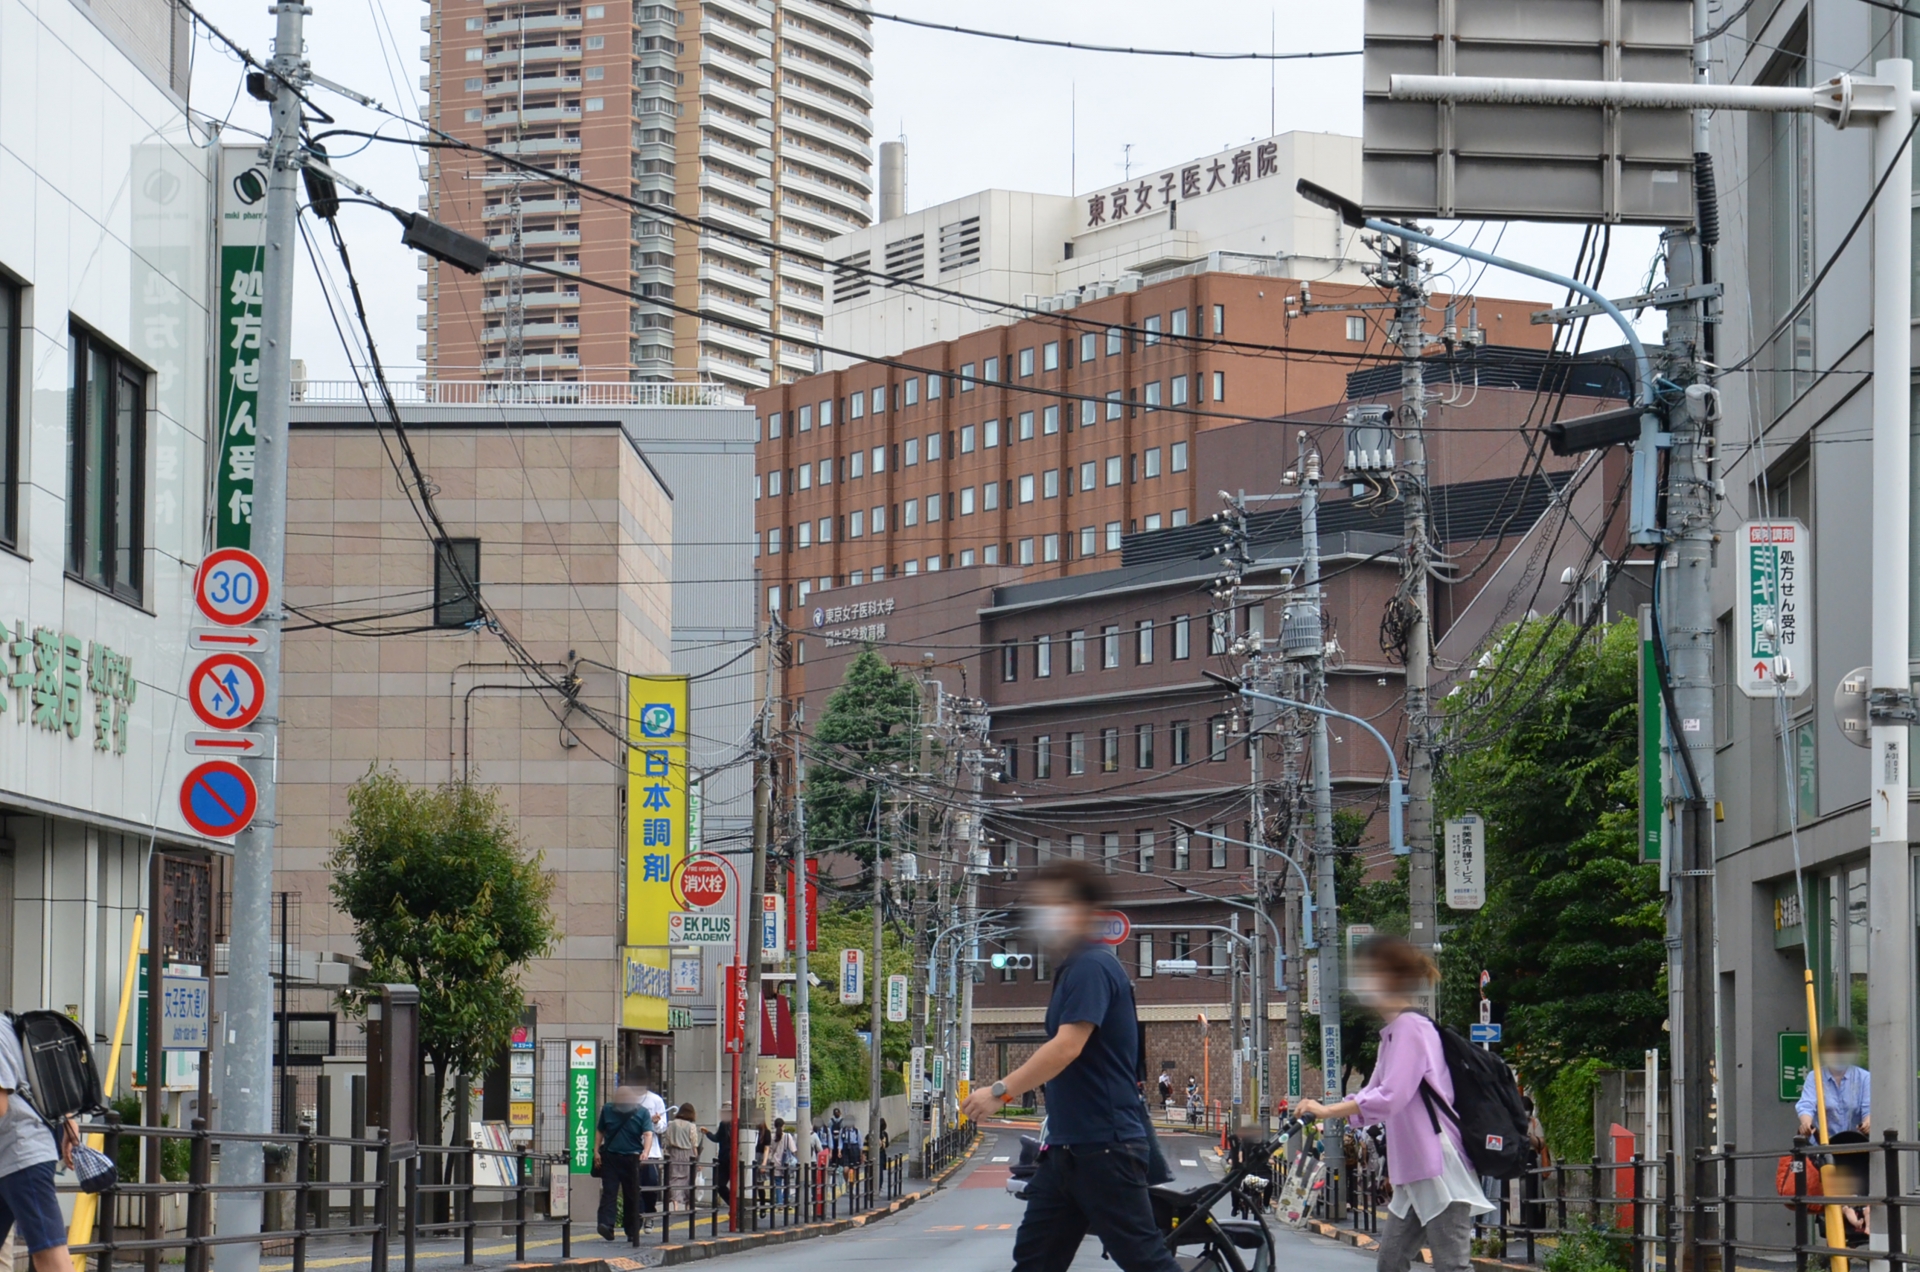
(717, 1247)
(1361, 1241)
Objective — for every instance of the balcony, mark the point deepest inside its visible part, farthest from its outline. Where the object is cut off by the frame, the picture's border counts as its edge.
(750, 135)
(824, 221)
(743, 342)
(547, 268)
(760, 108)
(830, 16)
(745, 222)
(734, 157)
(859, 90)
(532, 207)
(726, 60)
(732, 374)
(739, 191)
(853, 205)
(829, 48)
(537, 115)
(734, 35)
(539, 146)
(493, 180)
(827, 134)
(745, 11)
(537, 362)
(713, 271)
(537, 238)
(543, 84)
(534, 331)
(532, 300)
(857, 118)
(752, 315)
(861, 177)
(748, 257)
(534, 53)
(550, 22)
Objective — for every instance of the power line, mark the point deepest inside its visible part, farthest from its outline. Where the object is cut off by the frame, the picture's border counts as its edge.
(1082, 48)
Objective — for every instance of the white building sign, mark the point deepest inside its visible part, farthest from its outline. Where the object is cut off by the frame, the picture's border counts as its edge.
(1466, 862)
(1774, 591)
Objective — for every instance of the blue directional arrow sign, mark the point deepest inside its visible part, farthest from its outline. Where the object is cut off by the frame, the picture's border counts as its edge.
(1483, 1034)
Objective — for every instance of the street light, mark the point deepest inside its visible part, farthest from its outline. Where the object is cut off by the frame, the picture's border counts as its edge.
(1396, 799)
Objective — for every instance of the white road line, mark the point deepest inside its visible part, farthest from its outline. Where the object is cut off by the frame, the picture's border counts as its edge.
(1008, 1159)
(1188, 1161)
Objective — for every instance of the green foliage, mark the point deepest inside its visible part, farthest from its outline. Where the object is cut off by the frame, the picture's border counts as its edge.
(1565, 1109)
(866, 727)
(1545, 749)
(839, 1057)
(442, 896)
(176, 1155)
(1586, 1248)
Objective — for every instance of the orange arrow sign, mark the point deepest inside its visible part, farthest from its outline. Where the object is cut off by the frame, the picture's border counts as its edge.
(583, 1051)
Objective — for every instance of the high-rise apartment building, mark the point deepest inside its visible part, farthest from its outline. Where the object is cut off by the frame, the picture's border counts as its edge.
(749, 121)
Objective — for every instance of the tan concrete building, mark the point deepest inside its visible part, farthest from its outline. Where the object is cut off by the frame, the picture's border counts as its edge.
(568, 529)
(754, 115)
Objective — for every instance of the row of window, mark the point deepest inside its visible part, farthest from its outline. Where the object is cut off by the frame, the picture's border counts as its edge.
(1212, 954)
(1179, 390)
(1112, 851)
(864, 522)
(1066, 756)
(1147, 637)
(1114, 470)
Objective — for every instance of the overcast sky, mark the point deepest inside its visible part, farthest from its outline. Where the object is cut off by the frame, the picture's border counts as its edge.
(975, 113)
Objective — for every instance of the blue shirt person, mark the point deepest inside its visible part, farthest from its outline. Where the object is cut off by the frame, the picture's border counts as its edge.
(1849, 1087)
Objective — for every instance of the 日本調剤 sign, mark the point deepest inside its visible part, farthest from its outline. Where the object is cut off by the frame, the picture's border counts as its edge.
(656, 839)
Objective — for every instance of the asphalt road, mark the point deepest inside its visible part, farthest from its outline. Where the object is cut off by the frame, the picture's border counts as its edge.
(968, 1226)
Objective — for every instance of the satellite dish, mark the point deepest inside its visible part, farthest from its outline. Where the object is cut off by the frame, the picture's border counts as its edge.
(1850, 706)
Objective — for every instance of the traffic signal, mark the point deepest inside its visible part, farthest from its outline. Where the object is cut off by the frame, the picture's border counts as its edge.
(1012, 962)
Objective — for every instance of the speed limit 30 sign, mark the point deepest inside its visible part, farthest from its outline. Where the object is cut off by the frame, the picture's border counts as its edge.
(230, 587)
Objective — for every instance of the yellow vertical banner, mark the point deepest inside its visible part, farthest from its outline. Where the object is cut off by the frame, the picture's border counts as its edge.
(657, 828)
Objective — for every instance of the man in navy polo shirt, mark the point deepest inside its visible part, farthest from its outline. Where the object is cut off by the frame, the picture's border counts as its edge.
(1093, 1171)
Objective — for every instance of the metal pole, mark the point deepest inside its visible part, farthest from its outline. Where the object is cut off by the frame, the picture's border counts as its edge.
(248, 1080)
(1333, 1141)
(1890, 942)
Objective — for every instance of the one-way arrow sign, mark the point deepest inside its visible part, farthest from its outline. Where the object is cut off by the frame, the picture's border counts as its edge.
(230, 640)
(235, 745)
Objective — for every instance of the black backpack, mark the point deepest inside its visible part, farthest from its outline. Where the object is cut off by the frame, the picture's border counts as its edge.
(58, 1059)
(1486, 1107)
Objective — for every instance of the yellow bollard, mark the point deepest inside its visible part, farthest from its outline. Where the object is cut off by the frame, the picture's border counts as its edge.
(1836, 1224)
(86, 1204)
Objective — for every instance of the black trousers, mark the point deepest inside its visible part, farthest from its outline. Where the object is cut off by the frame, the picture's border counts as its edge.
(620, 1175)
(1091, 1188)
(649, 1186)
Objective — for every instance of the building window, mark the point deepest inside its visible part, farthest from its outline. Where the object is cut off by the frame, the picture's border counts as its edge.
(933, 447)
(1177, 391)
(1050, 356)
(803, 535)
(1026, 552)
(880, 399)
(966, 558)
(990, 555)
(1009, 661)
(1089, 541)
(773, 425)
(1144, 964)
(1076, 652)
(1219, 386)
(910, 513)
(1113, 404)
(1043, 757)
(1114, 341)
(806, 477)
(1076, 754)
(1010, 770)
(1026, 488)
(1109, 750)
(1152, 395)
(1089, 343)
(1042, 851)
(826, 530)
(966, 501)
(1144, 844)
(1217, 739)
(1217, 632)
(1356, 328)
(1219, 320)
(856, 465)
(857, 405)
(1151, 521)
(1050, 484)
(989, 434)
(1026, 362)
(1026, 426)
(1179, 946)
(933, 387)
(933, 508)
(1178, 319)
(1182, 850)
(1077, 847)
(992, 370)
(826, 471)
(456, 583)
(1049, 548)
(1110, 850)
(1143, 642)
(1153, 461)
(1177, 457)
(910, 392)
(1216, 848)
(1143, 746)
(1089, 475)
(1042, 657)
(879, 460)
(856, 524)
(1110, 647)
(1182, 637)
(773, 541)
(879, 519)
(1177, 518)
(1088, 410)
(1113, 536)
(966, 377)
(1114, 470)
(106, 448)
(1179, 734)
(1152, 325)
(911, 454)
(1049, 421)
(773, 482)
(806, 419)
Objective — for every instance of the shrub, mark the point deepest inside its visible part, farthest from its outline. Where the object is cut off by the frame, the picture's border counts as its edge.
(1587, 1248)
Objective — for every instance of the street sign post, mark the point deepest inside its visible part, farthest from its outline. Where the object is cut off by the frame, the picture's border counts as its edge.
(226, 640)
(1112, 928)
(686, 927)
(218, 798)
(853, 977)
(226, 691)
(1773, 582)
(186, 1012)
(231, 744)
(583, 1103)
(1466, 862)
(700, 883)
(896, 999)
(1482, 1035)
(1795, 1063)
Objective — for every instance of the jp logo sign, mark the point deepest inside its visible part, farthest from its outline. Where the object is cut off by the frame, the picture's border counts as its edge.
(656, 720)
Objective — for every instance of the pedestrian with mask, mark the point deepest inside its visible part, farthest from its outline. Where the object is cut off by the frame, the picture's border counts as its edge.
(1849, 1087)
(1435, 1193)
(650, 1163)
(621, 1139)
(1093, 1169)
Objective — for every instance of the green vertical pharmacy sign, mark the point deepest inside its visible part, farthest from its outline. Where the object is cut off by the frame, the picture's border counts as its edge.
(242, 264)
(583, 1103)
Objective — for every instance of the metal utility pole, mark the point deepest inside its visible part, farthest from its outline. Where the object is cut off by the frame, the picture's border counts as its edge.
(1411, 285)
(247, 1083)
(1333, 1139)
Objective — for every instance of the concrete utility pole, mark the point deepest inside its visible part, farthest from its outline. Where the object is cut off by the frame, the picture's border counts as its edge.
(975, 723)
(750, 1113)
(917, 1004)
(877, 986)
(247, 1084)
(1333, 1139)
(802, 987)
(1411, 283)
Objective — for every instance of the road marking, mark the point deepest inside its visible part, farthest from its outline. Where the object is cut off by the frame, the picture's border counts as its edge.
(1000, 1159)
(1188, 1161)
(361, 1260)
(991, 1227)
(945, 1227)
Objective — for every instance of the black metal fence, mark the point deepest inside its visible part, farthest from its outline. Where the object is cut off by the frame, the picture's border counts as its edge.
(946, 1148)
(786, 1196)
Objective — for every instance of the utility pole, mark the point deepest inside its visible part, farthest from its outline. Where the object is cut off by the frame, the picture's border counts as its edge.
(877, 986)
(749, 1113)
(975, 724)
(1257, 716)
(1410, 283)
(247, 1083)
(916, 988)
(802, 987)
(1333, 1139)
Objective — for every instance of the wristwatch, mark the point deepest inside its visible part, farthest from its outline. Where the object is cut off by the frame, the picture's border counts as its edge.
(1000, 1092)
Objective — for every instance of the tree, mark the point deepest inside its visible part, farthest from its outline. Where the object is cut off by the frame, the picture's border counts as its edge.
(1380, 904)
(442, 897)
(866, 728)
(1546, 751)
(839, 1057)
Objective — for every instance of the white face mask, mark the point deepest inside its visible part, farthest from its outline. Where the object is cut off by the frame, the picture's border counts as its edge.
(1053, 926)
(1840, 1061)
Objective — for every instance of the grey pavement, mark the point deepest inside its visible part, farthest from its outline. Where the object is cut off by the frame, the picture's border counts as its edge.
(968, 1225)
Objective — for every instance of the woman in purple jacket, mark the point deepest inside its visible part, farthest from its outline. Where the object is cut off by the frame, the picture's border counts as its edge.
(1435, 1194)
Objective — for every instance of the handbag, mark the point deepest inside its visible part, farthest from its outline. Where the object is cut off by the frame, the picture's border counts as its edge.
(94, 1168)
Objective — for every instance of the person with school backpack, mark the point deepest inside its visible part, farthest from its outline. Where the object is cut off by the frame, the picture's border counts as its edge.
(29, 1150)
(1445, 1116)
